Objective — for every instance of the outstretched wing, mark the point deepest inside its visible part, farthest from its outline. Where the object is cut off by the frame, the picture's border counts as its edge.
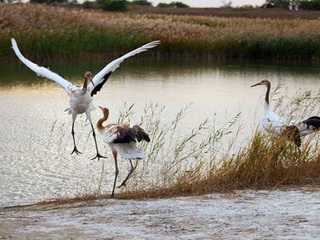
(101, 77)
(140, 134)
(123, 133)
(133, 134)
(42, 71)
(98, 87)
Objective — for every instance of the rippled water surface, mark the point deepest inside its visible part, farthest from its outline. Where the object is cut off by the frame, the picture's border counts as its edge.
(35, 140)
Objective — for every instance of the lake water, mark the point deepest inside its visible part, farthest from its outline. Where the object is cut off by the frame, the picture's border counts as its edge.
(35, 140)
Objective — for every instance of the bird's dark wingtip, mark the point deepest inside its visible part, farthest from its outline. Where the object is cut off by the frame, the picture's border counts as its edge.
(313, 121)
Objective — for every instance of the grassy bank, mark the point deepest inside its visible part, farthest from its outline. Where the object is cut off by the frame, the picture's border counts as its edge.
(265, 163)
(204, 161)
(56, 32)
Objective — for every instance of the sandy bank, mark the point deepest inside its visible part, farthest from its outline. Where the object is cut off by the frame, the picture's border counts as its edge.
(292, 214)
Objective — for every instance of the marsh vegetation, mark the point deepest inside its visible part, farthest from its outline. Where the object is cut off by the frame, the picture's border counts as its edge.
(58, 32)
(204, 159)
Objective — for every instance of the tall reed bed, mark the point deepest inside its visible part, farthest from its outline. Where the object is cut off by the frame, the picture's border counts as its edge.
(50, 32)
(47, 32)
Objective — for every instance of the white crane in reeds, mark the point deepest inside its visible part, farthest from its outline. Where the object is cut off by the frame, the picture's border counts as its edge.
(276, 124)
(122, 139)
(81, 96)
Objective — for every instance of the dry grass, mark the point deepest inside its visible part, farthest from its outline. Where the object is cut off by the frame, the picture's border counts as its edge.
(47, 31)
(195, 164)
(265, 164)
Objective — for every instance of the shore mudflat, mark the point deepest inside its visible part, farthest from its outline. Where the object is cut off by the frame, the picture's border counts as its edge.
(289, 214)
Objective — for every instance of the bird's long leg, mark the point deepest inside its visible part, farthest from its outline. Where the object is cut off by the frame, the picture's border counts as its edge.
(95, 142)
(75, 150)
(94, 137)
(128, 176)
(114, 153)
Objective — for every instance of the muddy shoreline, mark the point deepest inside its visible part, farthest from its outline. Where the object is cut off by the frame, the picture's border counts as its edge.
(290, 214)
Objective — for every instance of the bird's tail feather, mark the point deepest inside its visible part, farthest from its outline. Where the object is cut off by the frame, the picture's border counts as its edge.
(129, 150)
(313, 121)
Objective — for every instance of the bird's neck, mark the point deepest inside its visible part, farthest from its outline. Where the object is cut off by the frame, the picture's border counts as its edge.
(85, 85)
(101, 121)
(267, 98)
(266, 107)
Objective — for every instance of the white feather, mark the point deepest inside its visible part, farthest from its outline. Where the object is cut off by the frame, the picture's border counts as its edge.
(129, 150)
(272, 122)
(42, 71)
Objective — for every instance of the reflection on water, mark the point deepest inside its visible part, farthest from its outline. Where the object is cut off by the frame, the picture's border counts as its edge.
(35, 140)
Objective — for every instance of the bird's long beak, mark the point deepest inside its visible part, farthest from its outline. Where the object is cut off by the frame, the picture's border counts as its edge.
(257, 84)
(101, 107)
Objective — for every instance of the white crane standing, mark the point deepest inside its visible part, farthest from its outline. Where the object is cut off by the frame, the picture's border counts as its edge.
(276, 124)
(81, 97)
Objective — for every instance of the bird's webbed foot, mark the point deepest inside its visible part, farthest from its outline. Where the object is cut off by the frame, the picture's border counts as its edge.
(98, 156)
(75, 150)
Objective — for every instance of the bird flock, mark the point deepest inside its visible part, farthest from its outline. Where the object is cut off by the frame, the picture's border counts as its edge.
(121, 137)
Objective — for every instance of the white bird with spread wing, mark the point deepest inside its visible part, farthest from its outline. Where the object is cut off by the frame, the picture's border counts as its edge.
(276, 124)
(81, 97)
